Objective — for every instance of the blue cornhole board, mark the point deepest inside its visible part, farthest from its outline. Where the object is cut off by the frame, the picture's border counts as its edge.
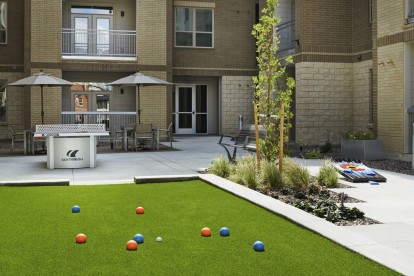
(358, 172)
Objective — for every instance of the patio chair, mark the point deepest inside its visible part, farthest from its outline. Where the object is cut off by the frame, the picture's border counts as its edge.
(16, 137)
(168, 132)
(143, 136)
(118, 137)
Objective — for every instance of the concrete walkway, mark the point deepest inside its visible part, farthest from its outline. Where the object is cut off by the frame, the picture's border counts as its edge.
(390, 243)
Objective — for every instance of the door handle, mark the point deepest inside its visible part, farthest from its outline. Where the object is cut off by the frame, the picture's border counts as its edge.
(193, 112)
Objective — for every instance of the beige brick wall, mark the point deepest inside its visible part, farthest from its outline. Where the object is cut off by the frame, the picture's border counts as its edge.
(154, 102)
(46, 36)
(152, 34)
(390, 16)
(52, 101)
(237, 99)
(14, 105)
(391, 98)
(323, 101)
(361, 86)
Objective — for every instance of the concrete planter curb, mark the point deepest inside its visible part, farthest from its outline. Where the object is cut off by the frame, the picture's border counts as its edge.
(361, 149)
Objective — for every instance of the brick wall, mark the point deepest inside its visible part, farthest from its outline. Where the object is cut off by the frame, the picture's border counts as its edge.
(52, 101)
(391, 98)
(46, 34)
(154, 102)
(234, 46)
(361, 94)
(390, 16)
(237, 99)
(324, 22)
(323, 101)
(152, 32)
(15, 105)
(361, 27)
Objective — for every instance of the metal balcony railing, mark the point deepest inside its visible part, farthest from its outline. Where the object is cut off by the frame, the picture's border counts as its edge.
(287, 35)
(107, 43)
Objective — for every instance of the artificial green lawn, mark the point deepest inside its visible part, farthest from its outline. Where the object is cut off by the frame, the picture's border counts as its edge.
(38, 229)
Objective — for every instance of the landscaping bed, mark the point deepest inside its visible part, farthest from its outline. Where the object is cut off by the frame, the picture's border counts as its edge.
(323, 203)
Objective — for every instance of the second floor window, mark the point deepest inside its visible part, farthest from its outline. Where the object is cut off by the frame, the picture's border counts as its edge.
(3, 22)
(194, 27)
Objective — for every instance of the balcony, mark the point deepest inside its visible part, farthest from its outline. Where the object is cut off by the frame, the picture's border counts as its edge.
(287, 38)
(97, 44)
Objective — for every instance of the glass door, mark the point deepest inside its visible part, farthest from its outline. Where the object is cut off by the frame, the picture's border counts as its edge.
(91, 32)
(191, 109)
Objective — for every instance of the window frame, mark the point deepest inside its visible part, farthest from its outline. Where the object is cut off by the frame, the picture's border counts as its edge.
(194, 32)
(3, 92)
(6, 21)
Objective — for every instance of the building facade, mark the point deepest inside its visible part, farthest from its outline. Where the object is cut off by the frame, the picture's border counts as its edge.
(204, 47)
(353, 64)
(353, 69)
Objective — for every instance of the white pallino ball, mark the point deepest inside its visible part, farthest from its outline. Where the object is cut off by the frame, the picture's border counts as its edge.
(159, 239)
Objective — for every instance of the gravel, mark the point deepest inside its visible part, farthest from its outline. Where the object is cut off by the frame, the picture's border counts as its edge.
(397, 166)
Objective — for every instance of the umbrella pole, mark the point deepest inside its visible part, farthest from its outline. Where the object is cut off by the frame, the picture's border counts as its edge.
(42, 113)
(139, 106)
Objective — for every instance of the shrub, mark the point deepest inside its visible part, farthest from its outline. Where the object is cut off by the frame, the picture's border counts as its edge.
(296, 175)
(313, 154)
(245, 172)
(327, 175)
(358, 135)
(327, 147)
(270, 174)
(220, 167)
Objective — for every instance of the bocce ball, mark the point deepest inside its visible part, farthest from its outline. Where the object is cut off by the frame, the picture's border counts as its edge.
(139, 210)
(131, 245)
(224, 232)
(206, 232)
(75, 209)
(159, 239)
(81, 238)
(139, 238)
(258, 246)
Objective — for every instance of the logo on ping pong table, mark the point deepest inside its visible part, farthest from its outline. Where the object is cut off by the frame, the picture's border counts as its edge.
(72, 153)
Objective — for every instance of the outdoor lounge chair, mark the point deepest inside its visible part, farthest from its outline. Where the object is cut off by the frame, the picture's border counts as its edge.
(168, 132)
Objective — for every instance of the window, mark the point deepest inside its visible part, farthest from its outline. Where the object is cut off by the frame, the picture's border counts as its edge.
(194, 27)
(2, 101)
(410, 11)
(3, 22)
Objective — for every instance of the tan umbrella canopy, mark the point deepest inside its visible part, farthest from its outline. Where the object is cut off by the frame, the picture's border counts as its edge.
(41, 79)
(138, 79)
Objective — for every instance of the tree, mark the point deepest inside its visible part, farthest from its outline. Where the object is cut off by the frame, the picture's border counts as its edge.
(273, 88)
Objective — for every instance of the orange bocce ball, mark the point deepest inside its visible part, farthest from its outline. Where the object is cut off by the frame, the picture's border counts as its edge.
(81, 238)
(206, 232)
(139, 210)
(132, 245)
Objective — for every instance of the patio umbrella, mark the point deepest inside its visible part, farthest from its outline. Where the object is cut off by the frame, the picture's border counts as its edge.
(138, 79)
(41, 79)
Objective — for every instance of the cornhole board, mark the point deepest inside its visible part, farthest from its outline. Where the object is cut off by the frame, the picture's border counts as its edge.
(358, 172)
